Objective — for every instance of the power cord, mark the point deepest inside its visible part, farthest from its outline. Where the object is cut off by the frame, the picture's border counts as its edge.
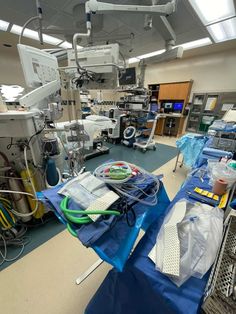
(17, 240)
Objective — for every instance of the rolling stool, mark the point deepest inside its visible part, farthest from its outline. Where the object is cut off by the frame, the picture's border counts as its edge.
(170, 125)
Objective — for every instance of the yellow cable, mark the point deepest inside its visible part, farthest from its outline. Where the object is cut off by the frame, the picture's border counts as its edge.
(4, 221)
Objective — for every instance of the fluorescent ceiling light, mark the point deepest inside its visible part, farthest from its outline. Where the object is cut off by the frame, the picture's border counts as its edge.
(210, 11)
(67, 45)
(16, 29)
(222, 31)
(29, 33)
(197, 43)
(51, 40)
(3, 25)
(147, 55)
(187, 46)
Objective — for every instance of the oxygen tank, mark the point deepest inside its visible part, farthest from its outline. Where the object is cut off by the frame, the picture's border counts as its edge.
(29, 189)
(20, 201)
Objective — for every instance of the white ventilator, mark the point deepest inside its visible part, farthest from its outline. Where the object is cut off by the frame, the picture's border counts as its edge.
(150, 142)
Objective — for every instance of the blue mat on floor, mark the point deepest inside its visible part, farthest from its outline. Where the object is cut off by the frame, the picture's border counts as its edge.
(150, 161)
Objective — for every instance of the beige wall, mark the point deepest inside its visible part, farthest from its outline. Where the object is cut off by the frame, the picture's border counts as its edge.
(210, 73)
(10, 69)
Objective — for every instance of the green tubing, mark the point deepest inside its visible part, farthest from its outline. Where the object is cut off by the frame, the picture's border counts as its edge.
(69, 213)
(72, 232)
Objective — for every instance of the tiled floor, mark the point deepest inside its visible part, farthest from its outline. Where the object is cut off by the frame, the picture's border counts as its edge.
(44, 280)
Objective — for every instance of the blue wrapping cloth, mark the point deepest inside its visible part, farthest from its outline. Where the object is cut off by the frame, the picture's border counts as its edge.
(233, 204)
(191, 145)
(112, 239)
(140, 288)
(213, 154)
(222, 126)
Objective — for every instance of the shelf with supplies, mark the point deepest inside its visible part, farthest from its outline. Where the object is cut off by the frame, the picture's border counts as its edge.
(208, 107)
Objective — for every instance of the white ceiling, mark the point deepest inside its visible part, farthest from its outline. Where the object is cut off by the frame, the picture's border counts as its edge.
(62, 13)
(69, 14)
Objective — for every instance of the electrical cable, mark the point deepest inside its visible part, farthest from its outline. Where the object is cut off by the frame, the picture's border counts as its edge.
(4, 157)
(19, 240)
(33, 196)
(37, 133)
(34, 18)
(10, 145)
(131, 184)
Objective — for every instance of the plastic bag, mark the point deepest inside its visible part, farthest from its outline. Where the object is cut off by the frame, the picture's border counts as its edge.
(219, 170)
(200, 234)
(84, 189)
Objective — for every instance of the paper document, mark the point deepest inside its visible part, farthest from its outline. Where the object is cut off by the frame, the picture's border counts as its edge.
(211, 103)
(226, 107)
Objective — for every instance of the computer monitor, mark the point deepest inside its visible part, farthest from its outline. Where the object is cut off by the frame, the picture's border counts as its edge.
(39, 67)
(154, 107)
(41, 73)
(178, 106)
(168, 105)
(128, 77)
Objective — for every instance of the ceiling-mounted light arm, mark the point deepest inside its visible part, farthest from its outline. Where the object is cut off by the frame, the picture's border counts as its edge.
(166, 30)
(80, 35)
(38, 17)
(94, 6)
(142, 65)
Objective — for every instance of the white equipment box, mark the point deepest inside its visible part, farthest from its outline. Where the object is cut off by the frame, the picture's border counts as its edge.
(96, 58)
(17, 124)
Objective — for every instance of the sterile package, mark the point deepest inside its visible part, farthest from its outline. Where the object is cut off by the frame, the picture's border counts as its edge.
(84, 189)
(199, 235)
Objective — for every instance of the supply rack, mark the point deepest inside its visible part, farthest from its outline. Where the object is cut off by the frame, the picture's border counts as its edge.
(224, 141)
(138, 119)
(220, 296)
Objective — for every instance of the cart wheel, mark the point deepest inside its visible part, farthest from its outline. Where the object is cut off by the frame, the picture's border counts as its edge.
(174, 170)
(134, 147)
(144, 150)
(154, 148)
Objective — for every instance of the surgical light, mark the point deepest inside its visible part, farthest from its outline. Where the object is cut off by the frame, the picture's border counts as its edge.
(211, 11)
(224, 30)
(3, 25)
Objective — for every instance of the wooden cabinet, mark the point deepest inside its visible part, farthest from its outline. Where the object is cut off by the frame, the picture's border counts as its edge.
(159, 126)
(172, 92)
(175, 91)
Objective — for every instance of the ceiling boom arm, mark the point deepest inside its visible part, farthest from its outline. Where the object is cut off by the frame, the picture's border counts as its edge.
(93, 6)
